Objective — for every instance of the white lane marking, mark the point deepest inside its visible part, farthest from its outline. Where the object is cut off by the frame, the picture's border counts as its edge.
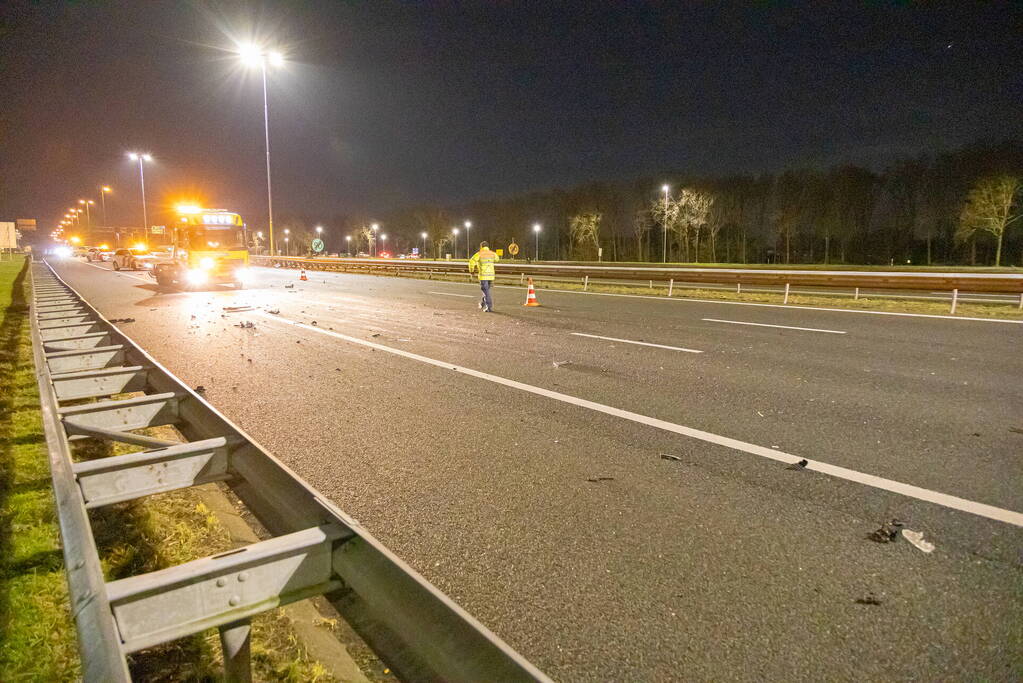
(467, 296)
(117, 272)
(784, 327)
(936, 497)
(640, 343)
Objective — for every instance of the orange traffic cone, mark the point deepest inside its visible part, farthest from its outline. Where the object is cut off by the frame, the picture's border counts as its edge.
(531, 295)
(302, 277)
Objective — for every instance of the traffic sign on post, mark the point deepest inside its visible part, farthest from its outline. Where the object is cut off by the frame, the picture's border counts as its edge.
(317, 245)
(513, 249)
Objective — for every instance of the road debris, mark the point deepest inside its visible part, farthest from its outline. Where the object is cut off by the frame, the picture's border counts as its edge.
(274, 311)
(375, 334)
(871, 599)
(801, 465)
(1016, 430)
(313, 323)
(247, 324)
(200, 389)
(562, 363)
(237, 309)
(887, 533)
(289, 286)
(599, 479)
(667, 456)
(121, 320)
(917, 539)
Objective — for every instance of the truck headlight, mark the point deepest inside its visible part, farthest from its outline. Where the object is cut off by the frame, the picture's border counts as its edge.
(195, 276)
(207, 263)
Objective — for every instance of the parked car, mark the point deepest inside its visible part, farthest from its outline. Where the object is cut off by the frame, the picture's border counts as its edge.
(131, 259)
(101, 253)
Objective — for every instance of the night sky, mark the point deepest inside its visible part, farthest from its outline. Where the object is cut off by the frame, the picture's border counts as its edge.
(385, 104)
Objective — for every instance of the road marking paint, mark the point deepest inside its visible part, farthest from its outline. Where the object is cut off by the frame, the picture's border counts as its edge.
(639, 343)
(936, 497)
(117, 272)
(467, 296)
(784, 327)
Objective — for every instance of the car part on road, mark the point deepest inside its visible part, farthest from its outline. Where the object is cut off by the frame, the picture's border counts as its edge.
(917, 539)
(887, 533)
(315, 548)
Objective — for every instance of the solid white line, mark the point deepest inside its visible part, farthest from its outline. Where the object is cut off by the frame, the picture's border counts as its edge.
(467, 296)
(784, 327)
(936, 497)
(640, 343)
(117, 272)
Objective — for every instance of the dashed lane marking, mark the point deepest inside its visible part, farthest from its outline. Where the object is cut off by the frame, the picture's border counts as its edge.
(638, 343)
(936, 497)
(783, 327)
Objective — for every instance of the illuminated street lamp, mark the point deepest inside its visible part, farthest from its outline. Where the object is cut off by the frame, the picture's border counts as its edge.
(423, 235)
(664, 248)
(319, 229)
(536, 234)
(348, 245)
(103, 192)
(383, 238)
(287, 247)
(253, 56)
(454, 231)
(135, 156)
(88, 215)
(467, 224)
(374, 228)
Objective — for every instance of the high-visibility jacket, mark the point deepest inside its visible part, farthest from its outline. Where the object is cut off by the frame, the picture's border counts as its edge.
(482, 262)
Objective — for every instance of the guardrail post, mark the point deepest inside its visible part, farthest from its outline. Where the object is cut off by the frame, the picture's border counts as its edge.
(651, 285)
(586, 282)
(522, 277)
(955, 300)
(738, 288)
(671, 285)
(856, 294)
(234, 639)
(1021, 300)
(786, 293)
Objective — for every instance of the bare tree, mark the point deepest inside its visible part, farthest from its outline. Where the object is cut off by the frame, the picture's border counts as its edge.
(666, 212)
(584, 229)
(989, 207)
(693, 212)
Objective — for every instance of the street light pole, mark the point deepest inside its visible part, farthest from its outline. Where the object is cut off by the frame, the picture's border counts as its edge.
(142, 183)
(423, 235)
(664, 222)
(266, 130)
(468, 224)
(536, 234)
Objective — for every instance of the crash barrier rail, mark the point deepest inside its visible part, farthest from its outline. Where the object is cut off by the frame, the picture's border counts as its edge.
(671, 277)
(83, 366)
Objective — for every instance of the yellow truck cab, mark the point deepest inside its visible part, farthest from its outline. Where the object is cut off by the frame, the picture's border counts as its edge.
(209, 247)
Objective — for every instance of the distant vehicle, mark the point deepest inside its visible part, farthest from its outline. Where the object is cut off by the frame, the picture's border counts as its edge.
(100, 253)
(385, 254)
(362, 254)
(81, 251)
(132, 259)
(209, 247)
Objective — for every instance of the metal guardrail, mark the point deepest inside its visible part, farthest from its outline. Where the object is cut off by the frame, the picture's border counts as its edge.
(672, 277)
(82, 363)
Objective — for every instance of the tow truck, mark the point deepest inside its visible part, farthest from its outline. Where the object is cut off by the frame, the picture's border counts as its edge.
(208, 247)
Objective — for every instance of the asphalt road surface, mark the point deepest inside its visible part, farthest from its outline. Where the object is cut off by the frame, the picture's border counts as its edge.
(605, 480)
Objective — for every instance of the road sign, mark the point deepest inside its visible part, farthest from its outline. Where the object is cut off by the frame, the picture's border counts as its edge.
(8, 238)
(26, 224)
(415, 251)
(158, 229)
(317, 245)
(513, 249)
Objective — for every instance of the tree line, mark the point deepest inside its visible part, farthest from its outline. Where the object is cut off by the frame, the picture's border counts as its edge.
(960, 207)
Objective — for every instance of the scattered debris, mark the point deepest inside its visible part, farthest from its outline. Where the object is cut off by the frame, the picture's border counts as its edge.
(375, 334)
(976, 434)
(289, 286)
(236, 309)
(917, 539)
(871, 599)
(599, 479)
(760, 413)
(313, 323)
(274, 311)
(200, 389)
(562, 363)
(193, 317)
(247, 324)
(121, 320)
(298, 341)
(666, 456)
(403, 339)
(888, 533)
(801, 465)
(1016, 430)
(337, 369)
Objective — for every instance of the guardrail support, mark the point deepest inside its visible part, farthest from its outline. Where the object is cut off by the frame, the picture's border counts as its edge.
(1021, 300)
(586, 282)
(786, 293)
(856, 294)
(671, 286)
(738, 288)
(955, 300)
(234, 639)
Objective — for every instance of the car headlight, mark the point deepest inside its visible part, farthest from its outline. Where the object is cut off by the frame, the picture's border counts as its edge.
(243, 275)
(195, 276)
(147, 265)
(207, 263)
(63, 252)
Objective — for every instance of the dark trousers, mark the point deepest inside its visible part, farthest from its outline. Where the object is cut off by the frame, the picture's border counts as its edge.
(488, 304)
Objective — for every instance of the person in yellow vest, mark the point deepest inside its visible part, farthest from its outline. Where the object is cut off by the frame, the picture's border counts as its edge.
(482, 263)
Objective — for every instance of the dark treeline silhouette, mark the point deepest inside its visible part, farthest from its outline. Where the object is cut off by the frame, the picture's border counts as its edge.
(908, 213)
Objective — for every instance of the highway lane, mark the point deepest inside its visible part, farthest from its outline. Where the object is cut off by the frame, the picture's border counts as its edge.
(717, 565)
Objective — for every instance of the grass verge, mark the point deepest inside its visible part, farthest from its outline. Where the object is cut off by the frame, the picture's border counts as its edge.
(37, 636)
